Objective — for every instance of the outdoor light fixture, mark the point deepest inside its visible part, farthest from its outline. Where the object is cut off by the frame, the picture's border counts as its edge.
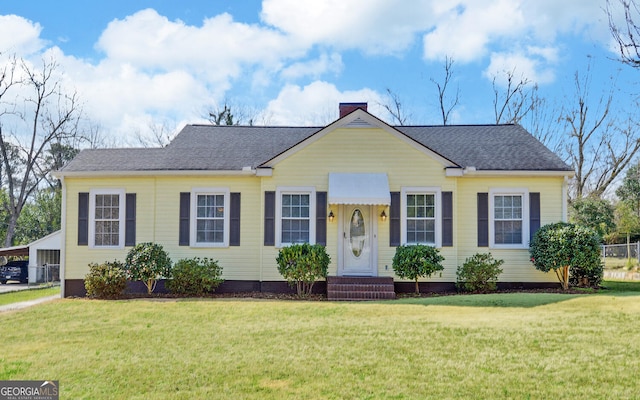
(331, 216)
(383, 216)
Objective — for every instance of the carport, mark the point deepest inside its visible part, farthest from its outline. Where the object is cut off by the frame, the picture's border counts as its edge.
(44, 257)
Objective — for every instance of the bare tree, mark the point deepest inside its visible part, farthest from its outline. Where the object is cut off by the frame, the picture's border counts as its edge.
(232, 114)
(627, 34)
(598, 147)
(41, 113)
(446, 104)
(395, 109)
(515, 102)
(161, 135)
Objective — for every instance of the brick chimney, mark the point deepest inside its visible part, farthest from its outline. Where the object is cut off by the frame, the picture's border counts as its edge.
(346, 108)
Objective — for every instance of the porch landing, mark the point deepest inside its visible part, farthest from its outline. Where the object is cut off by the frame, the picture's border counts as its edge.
(353, 288)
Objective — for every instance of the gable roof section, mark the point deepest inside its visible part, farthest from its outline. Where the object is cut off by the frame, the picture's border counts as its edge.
(360, 119)
(211, 149)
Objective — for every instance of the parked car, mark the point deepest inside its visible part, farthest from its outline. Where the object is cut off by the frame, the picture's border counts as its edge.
(15, 271)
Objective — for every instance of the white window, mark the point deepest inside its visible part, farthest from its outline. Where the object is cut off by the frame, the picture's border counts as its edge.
(106, 218)
(509, 218)
(295, 215)
(209, 217)
(421, 221)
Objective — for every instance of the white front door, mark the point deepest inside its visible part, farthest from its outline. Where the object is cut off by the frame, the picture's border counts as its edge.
(359, 233)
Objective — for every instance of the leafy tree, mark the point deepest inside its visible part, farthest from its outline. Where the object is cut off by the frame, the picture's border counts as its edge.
(40, 216)
(595, 213)
(148, 262)
(415, 261)
(628, 223)
(629, 190)
(302, 264)
(567, 249)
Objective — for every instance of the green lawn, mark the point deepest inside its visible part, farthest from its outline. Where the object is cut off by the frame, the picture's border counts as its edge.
(511, 346)
(26, 295)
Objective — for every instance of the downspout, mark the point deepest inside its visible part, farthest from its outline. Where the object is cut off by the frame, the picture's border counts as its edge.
(63, 239)
(565, 198)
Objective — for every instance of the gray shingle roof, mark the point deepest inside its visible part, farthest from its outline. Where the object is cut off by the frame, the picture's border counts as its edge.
(231, 148)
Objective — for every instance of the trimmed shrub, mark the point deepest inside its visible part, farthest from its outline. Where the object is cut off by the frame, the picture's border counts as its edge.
(302, 264)
(416, 260)
(571, 251)
(479, 273)
(106, 281)
(195, 276)
(148, 262)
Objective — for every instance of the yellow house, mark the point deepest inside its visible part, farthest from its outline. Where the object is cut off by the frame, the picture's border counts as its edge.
(359, 186)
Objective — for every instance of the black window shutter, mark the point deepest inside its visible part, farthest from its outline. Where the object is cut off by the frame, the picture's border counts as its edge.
(130, 220)
(185, 208)
(321, 218)
(269, 218)
(234, 220)
(447, 219)
(83, 219)
(534, 214)
(394, 220)
(483, 219)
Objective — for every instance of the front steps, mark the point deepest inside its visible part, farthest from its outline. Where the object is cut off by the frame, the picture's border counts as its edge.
(351, 288)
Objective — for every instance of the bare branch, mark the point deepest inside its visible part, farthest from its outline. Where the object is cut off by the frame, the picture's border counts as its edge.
(446, 106)
(627, 35)
(395, 109)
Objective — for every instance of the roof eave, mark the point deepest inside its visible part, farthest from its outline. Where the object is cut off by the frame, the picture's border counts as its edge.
(247, 171)
(470, 171)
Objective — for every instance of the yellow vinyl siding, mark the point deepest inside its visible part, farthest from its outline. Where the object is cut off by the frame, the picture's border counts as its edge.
(157, 220)
(517, 267)
(362, 151)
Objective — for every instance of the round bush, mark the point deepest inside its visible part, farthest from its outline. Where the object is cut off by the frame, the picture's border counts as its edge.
(479, 273)
(106, 281)
(195, 277)
(302, 264)
(571, 251)
(148, 262)
(416, 260)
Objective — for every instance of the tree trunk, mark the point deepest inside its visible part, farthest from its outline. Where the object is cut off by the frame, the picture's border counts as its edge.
(11, 230)
(417, 287)
(628, 248)
(565, 277)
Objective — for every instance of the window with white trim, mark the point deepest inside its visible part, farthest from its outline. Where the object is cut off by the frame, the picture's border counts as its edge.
(210, 217)
(106, 218)
(421, 222)
(295, 216)
(508, 218)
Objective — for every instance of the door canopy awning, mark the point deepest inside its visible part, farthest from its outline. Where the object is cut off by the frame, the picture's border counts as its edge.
(359, 188)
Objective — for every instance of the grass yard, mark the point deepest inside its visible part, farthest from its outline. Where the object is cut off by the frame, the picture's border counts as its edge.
(511, 346)
(26, 295)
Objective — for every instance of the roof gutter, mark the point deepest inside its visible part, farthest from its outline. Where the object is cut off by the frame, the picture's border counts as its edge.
(472, 171)
(246, 171)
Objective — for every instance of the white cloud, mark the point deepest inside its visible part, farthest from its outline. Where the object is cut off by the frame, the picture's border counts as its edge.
(316, 104)
(465, 30)
(216, 51)
(19, 35)
(374, 26)
(534, 65)
(314, 68)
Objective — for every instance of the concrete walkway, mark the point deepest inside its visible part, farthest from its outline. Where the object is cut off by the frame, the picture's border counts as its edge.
(25, 304)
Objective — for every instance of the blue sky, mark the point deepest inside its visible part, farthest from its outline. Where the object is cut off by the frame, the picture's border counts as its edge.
(138, 64)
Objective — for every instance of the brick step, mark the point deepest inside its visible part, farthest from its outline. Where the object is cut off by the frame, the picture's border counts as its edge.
(360, 288)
